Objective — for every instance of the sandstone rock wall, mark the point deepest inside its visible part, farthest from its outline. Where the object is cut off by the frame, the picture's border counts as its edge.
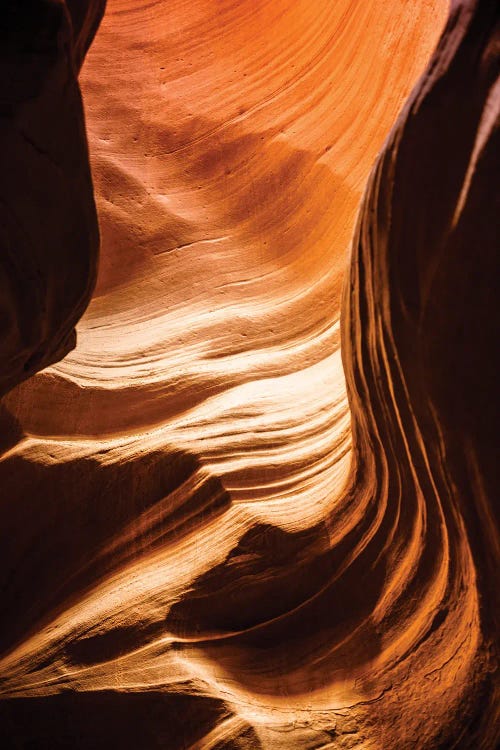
(215, 533)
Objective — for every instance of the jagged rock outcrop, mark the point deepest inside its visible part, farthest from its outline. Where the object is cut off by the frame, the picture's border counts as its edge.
(48, 224)
(201, 548)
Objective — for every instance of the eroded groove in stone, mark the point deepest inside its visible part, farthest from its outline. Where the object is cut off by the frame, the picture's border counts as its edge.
(214, 539)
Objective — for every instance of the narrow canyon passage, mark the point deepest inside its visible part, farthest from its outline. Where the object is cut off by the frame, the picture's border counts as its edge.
(223, 532)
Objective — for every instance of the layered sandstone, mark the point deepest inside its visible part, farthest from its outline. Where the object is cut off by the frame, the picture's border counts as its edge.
(211, 539)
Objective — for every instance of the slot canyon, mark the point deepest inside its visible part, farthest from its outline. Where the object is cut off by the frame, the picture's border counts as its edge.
(248, 416)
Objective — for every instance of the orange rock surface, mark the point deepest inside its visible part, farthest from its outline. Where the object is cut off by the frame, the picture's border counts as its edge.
(218, 535)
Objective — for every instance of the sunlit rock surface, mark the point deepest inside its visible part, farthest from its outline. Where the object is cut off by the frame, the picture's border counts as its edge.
(199, 550)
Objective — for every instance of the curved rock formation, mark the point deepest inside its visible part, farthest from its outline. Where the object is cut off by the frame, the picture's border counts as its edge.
(49, 235)
(202, 549)
(419, 314)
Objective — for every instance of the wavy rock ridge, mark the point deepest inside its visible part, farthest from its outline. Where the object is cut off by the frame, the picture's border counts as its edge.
(202, 547)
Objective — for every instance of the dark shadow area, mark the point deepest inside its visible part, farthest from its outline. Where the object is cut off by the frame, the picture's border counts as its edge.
(67, 525)
(107, 719)
(280, 598)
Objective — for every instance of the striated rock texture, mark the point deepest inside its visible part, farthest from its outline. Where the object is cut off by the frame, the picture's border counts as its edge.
(419, 320)
(200, 548)
(48, 223)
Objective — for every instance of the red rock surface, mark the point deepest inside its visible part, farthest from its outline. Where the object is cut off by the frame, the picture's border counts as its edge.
(211, 539)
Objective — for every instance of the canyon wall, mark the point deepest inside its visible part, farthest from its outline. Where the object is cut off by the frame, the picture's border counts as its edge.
(49, 236)
(253, 508)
